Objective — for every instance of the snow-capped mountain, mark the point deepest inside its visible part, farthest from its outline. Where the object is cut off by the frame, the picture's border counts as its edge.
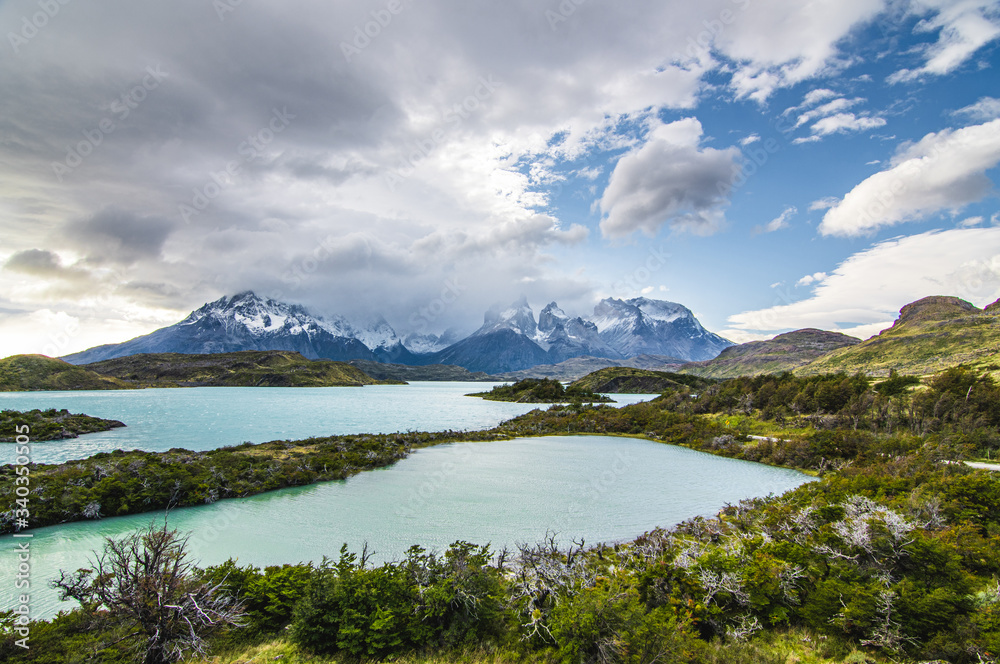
(424, 343)
(567, 337)
(378, 336)
(248, 322)
(511, 340)
(518, 317)
(641, 326)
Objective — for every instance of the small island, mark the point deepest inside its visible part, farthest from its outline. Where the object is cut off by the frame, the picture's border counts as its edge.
(629, 380)
(541, 390)
(50, 424)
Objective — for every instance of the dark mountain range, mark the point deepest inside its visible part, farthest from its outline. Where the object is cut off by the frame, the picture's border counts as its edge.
(785, 352)
(510, 339)
(248, 322)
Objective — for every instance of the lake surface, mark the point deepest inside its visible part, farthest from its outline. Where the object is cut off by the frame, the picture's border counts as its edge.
(595, 487)
(204, 418)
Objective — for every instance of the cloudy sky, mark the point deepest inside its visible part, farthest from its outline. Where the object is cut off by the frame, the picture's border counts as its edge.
(771, 164)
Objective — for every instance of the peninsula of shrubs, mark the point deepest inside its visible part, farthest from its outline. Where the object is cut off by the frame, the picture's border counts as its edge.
(893, 555)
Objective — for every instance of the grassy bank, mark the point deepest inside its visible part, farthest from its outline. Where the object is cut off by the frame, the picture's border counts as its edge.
(541, 390)
(51, 424)
(892, 556)
(120, 483)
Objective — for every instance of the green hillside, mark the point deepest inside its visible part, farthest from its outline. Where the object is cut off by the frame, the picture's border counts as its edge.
(50, 424)
(240, 369)
(930, 335)
(626, 380)
(785, 352)
(429, 372)
(541, 390)
(22, 373)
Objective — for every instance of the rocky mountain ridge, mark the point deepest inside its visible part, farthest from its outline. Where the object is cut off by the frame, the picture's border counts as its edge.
(510, 338)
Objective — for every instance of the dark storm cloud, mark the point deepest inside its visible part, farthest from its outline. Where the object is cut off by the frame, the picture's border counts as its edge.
(310, 169)
(116, 236)
(38, 262)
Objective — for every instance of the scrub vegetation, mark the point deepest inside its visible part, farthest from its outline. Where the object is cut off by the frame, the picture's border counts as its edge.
(893, 555)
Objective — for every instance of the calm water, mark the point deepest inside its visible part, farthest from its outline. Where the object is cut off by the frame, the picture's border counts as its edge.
(204, 418)
(599, 488)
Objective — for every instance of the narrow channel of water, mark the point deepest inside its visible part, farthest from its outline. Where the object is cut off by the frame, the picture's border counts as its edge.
(205, 418)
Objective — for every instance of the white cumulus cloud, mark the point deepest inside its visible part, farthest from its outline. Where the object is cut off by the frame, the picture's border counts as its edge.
(811, 279)
(987, 108)
(865, 292)
(943, 171)
(779, 222)
(963, 28)
(670, 181)
(843, 122)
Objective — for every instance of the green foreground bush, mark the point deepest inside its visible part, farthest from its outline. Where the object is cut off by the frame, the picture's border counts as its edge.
(894, 554)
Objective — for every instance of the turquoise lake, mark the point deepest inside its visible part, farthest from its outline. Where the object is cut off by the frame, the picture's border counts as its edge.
(204, 418)
(601, 489)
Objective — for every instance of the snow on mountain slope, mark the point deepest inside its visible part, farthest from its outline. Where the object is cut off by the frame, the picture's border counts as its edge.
(424, 343)
(641, 326)
(509, 339)
(518, 317)
(248, 322)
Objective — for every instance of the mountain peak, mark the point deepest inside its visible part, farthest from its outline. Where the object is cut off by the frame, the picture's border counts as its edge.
(247, 321)
(518, 317)
(550, 317)
(661, 310)
(811, 337)
(654, 327)
(935, 307)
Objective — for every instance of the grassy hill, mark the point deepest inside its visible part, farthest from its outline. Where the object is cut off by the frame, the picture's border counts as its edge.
(23, 373)
(578, 367)
(785, 352)
(50, 424)
(541, 390)
(930, 335)
(627, 380)
(430, 372)
(240, 369)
